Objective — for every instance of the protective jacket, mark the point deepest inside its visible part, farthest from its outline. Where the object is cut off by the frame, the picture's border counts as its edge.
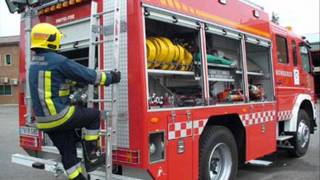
(50, 77)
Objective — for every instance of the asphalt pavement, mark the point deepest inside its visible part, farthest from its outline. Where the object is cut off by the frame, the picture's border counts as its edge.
(283, 168)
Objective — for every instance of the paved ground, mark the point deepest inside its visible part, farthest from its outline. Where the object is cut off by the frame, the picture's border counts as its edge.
(284, 168)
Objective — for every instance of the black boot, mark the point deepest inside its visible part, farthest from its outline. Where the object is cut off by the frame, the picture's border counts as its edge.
(93, 157)
(80, 177)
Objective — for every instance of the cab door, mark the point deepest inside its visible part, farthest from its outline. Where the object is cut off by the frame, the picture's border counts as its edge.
(284, 73)
(307, 83)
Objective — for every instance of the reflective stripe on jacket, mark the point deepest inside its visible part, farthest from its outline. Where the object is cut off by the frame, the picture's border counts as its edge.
(50, 77)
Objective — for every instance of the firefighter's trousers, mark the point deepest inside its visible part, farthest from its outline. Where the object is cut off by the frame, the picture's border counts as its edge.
(65, 137)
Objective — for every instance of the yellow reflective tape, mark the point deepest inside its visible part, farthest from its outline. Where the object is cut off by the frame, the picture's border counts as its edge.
(48, 94)
(75, 173)
(103, 78)
(58, 122)
(163, 2)
(80, 169)
(177, 4)
(186, 8)
(64, 92)
(91, 137)
(170, 3)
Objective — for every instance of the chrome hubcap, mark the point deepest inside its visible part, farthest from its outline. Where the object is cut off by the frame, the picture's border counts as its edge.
(303, 133)
(220, 162)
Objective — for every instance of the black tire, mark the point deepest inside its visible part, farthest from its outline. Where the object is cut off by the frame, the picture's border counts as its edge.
(300, 148)
(213, 137)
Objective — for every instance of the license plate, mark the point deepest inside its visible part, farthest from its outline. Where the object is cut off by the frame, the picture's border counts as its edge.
(30, 131)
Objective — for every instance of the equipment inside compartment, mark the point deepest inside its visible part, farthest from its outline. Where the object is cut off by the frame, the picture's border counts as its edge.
(259, 73)
(170, 47)
(174, 68)
(171, 51)
(224, 61)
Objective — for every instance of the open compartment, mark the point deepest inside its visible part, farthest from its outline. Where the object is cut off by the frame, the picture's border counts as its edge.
(170, 46)
(81, 56)
(171, 50)
(259, 73)
(224, 59)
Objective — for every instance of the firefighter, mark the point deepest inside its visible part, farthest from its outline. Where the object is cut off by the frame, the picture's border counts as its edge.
(50, 75)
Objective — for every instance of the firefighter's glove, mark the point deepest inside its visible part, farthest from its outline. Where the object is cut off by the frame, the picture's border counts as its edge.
(115, 76)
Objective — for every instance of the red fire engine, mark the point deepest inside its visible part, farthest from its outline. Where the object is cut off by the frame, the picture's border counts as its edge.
(207, 85)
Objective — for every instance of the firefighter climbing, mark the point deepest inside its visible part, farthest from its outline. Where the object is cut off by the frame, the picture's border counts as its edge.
(51, 76)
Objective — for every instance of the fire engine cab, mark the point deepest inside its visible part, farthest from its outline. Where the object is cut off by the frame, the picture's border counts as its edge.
(206, 85)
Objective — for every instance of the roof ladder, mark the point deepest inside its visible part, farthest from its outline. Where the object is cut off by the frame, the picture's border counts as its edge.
(96, 30)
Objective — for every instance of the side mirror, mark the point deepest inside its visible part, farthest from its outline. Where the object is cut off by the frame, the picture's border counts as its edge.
(16, 5)
(12, 8)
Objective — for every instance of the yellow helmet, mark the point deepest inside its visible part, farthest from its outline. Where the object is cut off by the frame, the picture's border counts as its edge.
(45, 36)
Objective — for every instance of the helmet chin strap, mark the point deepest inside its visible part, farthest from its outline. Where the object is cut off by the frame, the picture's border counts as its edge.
(42, 50)
(51, 46)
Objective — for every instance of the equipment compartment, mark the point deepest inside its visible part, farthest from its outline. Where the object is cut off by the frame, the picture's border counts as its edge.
(259, 73)
(175, 71)
(171, 50)
(78, 55)
(224, 60)
(169, 46)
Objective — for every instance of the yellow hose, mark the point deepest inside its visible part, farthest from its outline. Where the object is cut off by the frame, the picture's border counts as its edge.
(174, 63)
(163, 54)
(163, 51)
(171, 52)
(188, 59)
(157, 61)
(180, 59)
(151, 53)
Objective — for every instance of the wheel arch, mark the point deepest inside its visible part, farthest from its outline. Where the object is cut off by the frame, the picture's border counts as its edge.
(308, 107)
(234, 124)
(303, 101)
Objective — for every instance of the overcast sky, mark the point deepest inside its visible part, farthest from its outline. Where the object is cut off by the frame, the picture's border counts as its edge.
(302, 15)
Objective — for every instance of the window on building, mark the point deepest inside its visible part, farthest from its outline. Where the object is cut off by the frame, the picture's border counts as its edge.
(294, 53)
(282, 50)
(7, 60)
(5, 90)
(305, 58)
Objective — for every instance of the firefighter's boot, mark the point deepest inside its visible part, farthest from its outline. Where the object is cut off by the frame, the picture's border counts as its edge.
(93, 157)
(80, 177)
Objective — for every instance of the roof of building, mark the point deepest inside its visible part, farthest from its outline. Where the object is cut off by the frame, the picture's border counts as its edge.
(314, 39)
(9, 40)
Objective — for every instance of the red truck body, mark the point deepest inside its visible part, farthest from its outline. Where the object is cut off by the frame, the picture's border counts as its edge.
(255, 124)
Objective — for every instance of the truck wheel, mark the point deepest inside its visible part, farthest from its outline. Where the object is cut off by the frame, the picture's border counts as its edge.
(218, 154)
(302, 136)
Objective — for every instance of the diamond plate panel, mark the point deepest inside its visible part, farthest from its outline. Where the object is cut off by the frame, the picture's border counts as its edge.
(123, 117)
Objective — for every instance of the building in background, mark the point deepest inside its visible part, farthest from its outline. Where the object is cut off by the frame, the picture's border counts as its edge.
(9, 69)
(314, 40)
